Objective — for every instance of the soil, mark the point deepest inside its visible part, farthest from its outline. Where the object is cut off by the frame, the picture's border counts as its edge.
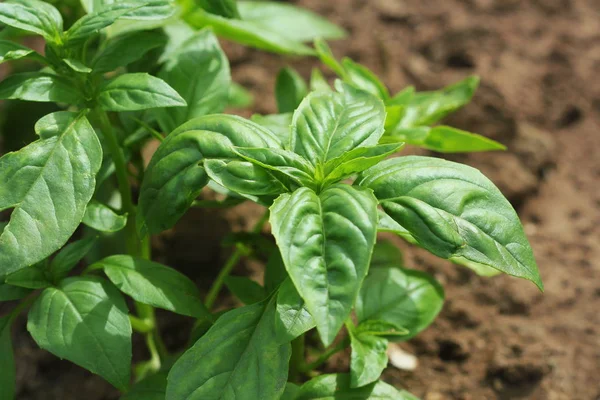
(496, 338)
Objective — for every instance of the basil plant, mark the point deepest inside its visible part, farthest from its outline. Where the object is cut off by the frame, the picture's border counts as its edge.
(81, 204)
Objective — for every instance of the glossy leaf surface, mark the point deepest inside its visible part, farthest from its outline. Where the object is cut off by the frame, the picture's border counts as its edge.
(102, 218)
(453, 211)
(138, 91)
(329, 124)
(175, 174)
(326, 242)
(406, 298)
(39, 86)
(49, 200)
(32, 16)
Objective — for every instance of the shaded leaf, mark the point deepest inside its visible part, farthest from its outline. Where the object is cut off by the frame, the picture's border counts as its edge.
(245, 289)
(224, 8)
(152, 387)
(13, 51)
(153, 284)
(10, 292)
(68, 257)
(369, 358)
(125, 49)
(290, 89)
(33, 277)
(199, 71)
(83, 316)
(292, 317)
(240, 359)
(7, 360)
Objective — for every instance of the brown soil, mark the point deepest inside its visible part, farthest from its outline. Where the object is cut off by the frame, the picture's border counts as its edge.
(496, 338)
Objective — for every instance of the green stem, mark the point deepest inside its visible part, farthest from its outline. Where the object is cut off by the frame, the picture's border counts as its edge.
(213, 293)
(135, 246)
(118, 157)
(141, 325)
(325, 356)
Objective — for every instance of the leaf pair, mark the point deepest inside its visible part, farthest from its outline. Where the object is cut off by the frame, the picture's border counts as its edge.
(86, 315)
(410, 114)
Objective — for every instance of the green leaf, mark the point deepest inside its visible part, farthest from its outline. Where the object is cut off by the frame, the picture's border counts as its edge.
(454, 212)
(99, 19)
(327, 125)
(387, 224)
(327, 57)
(326, 242)
(377, 327)
(81, 317)
(290, 89)
(77, 66)
(337, 386)
(240, 359)
(407, 299)
(139, 91)
(175, 175)
(13, 51)
(357, 160)
(250, 33)
(363, 78)
(293, 22)
(291, 391)
(10, 292)
(275, 273)
(402, 98)
(152, 387)
(33, 277)
(224, 8)
(154, 284)
(279, 124)
(426, 108)
(125, 49)
(105, 16)
(443, 139)
(243, 177)
(386, 255)
(7, 360)
(102, 218)
(281, 161)
(245, 289)
(49, 200)
(68, 257)
(318, 81)
(292, 317)
(369, 358)
(239, 97)
(199, 71)
(33, 16)
(39, 86)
